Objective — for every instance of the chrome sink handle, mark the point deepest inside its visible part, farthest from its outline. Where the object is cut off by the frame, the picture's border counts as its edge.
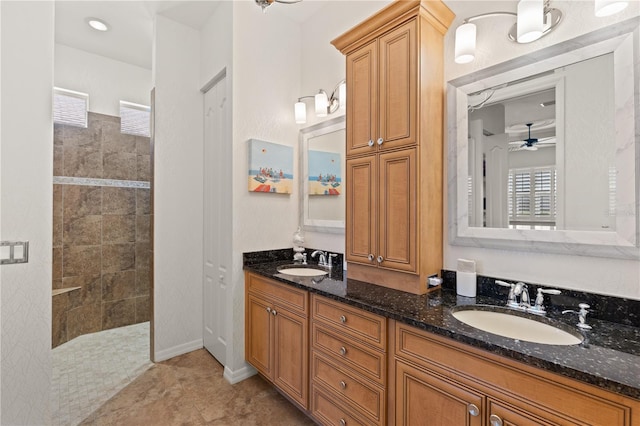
(582, 315)
(539, 308)
(511, 299)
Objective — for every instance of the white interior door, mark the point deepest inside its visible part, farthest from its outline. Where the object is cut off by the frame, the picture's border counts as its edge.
(217, 218)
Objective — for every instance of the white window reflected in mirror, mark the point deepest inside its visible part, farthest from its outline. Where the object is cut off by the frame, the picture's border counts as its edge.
(322, 162)
(544, 149)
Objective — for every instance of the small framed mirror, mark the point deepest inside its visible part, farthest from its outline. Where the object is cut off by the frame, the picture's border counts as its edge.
(544, 149)
(322, 164)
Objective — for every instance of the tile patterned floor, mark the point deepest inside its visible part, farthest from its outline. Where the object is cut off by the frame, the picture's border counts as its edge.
(90, 369)
(190, 390)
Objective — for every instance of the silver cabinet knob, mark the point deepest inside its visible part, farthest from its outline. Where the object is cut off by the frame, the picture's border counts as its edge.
(273, 312)
(343, 319)
(343, 385)
(380, 259)
(343, 351)
(370, 143)
(473, 410)
(380, 141)
(269, 310)
(343, 422)
(495, 420)
(371, 257)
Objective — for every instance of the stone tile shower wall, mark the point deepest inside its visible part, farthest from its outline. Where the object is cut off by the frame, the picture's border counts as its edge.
(101, 228)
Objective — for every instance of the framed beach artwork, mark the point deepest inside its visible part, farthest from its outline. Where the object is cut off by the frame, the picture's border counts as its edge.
(324, 173)
(270, 167)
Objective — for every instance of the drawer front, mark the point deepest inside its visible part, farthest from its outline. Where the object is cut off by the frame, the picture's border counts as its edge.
(357, 392)
(328, 411)
(285, 295)
(360, 358)
(369, 328)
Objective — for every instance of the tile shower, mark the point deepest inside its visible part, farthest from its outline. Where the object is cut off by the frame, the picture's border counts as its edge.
(101, 228)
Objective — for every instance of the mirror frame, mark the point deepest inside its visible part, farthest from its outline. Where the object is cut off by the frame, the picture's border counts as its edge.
(316, 225)
(621, 39)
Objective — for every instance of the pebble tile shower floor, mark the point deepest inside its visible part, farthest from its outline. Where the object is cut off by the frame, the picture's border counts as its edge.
(90, 369)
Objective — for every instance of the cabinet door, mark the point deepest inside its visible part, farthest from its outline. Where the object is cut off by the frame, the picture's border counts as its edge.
(259, 334)
(504, 415)
(291, 346)
(361, 209)
(397, 211)
(427, 399)
(362, 92)
(398, 68)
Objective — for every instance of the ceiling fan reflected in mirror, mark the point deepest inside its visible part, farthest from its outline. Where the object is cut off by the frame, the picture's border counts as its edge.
(531, 143)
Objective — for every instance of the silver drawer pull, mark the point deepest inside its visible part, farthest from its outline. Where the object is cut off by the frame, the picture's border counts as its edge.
(495, 420)
(370, 143)
(343, 422)
(343, 351)
(273, 312)
(343, 385)
(380, 259)
(371, 257)
(473, 410)
(343, 319)
(380, 141)
(269, 310)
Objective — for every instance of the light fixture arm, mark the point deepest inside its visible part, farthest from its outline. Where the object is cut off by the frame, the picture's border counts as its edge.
(488, 15)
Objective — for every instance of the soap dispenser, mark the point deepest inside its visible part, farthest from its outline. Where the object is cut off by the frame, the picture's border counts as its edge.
(298, 241)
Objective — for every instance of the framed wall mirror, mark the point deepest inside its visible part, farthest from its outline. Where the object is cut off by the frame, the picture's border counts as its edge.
(544, 149)
(322, 164)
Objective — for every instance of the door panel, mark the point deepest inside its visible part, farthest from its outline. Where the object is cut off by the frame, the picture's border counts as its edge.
(398, 210)
(259, 329)
(427, 399)
(292, 360)
(362, 121)
(398, 86)
(361, 209)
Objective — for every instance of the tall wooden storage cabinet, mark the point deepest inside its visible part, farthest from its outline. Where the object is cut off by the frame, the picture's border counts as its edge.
(395, 97)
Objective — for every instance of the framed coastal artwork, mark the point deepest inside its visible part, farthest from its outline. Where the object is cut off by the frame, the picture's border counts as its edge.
(270, 167)
(324, 173)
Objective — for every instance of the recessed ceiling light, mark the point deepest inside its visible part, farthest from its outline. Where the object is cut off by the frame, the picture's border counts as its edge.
(97, 24)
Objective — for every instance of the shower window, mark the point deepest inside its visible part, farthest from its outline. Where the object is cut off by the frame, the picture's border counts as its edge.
(135, 119)
(70, 107)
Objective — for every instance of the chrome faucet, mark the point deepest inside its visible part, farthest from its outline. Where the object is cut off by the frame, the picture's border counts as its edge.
(322, 260)
(519, 289)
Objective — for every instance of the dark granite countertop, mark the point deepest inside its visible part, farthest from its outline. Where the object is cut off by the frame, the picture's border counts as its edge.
(609, 356)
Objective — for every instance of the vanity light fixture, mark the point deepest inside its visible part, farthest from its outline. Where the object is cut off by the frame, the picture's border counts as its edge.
(97, 24)
(609, 7)
(264, 4)
(324, 104)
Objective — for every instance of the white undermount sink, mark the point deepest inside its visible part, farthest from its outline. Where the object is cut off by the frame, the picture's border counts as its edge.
(516, 327)
(302, 272)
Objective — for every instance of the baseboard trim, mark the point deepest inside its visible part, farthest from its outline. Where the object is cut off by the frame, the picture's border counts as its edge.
(239, 375)
(182, 349)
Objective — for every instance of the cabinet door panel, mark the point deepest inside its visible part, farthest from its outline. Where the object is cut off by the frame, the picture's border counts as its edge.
(426, 399)
(511, 416)
(398, 86)
(397, 240)
(362, 121)
(259, 329)
(361, 209)
(291, 345)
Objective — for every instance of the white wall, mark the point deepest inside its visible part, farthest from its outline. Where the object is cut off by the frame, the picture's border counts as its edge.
(598, 275)
(266, 80)
(178, 188)
(107, 81)
(26, 205)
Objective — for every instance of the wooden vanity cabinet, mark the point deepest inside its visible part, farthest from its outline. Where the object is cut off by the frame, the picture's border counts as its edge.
(394, 125)
(277, 335)
(348, 364)
(442, 382)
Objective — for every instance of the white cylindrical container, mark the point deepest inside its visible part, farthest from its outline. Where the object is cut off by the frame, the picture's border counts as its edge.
(466, 278)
